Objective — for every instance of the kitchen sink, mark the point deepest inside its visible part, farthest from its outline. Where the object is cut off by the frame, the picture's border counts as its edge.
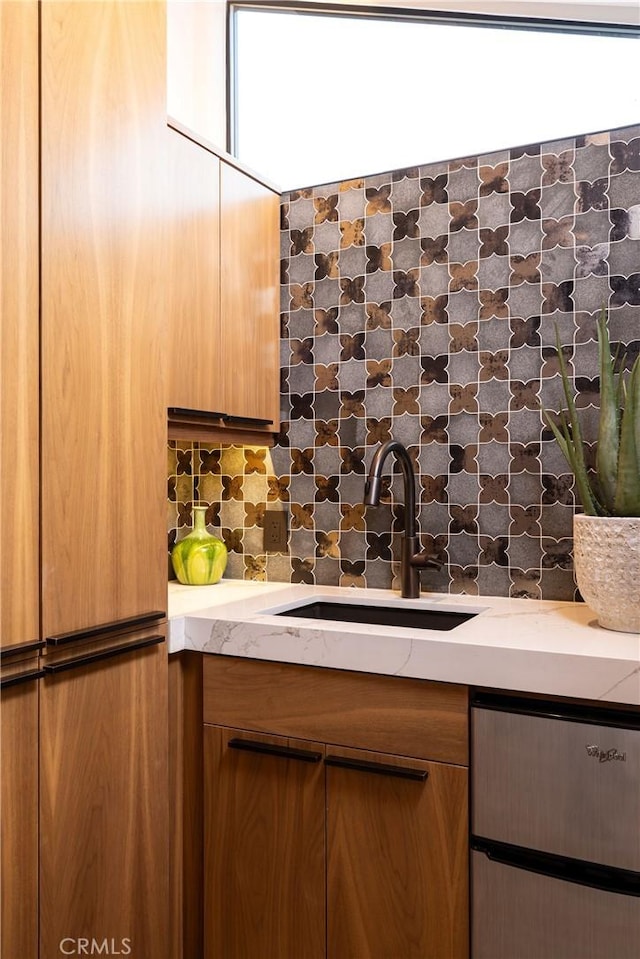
(379, 615)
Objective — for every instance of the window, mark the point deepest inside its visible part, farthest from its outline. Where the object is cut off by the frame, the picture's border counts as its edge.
(319, 97)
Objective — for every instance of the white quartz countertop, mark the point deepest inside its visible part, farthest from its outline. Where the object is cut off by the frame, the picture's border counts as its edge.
(537, 646)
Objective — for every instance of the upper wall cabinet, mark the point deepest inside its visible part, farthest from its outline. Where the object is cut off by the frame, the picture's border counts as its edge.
(249, 249)
(19, 616)
(194, 280)
(103, 323)
(224, 293)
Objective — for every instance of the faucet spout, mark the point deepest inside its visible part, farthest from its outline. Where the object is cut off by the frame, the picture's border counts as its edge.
(373, 483)
(411, 559)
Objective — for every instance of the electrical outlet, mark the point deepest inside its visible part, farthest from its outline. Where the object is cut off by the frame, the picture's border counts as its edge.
(274, 531)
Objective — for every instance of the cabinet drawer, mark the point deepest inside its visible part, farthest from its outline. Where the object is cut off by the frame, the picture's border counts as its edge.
(409, 717)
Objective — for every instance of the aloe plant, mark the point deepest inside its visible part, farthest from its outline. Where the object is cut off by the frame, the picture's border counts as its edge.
(613, 489)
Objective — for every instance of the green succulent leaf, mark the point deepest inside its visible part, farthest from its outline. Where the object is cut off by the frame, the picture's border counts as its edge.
(575, 458)
(609, 428)
(614, 488)
(627, 500)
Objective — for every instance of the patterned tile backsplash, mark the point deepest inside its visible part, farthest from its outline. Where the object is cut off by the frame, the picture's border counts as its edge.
(422, 305)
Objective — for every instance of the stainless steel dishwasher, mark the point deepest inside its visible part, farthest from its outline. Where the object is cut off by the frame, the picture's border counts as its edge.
(555, 859)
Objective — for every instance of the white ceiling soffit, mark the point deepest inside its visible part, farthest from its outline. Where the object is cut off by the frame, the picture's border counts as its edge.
(618, 11)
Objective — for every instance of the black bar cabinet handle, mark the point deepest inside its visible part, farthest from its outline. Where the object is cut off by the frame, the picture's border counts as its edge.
(382, 769)
(269, 749)
(246, 420)
(21, 649)
(201, 414)
(117, 626)
(78, 661)
(25, 677)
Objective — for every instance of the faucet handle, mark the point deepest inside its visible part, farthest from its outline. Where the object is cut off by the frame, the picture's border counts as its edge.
(425, 560)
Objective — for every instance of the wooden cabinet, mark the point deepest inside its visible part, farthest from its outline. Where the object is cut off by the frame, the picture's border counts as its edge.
(224, 292)
(185, 805)
(104, 868)
(397, 857)
(19, 493)
(195, 378)
(250, 344)
(384, 828)
(19, 812)
(85, 819)
(264, 846)
(103, 328)
(19, 503)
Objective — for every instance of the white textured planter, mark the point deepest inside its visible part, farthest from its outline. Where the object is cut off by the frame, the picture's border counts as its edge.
(606, 554)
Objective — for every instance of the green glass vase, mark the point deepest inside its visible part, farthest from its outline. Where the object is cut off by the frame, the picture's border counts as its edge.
(200, 558)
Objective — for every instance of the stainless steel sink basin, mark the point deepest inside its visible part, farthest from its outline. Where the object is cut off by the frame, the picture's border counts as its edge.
(379, 615)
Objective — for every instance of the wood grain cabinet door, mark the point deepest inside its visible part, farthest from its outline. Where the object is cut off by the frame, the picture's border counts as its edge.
(264, 847)
(104, 816)
(19, 376)
(249, 250)
(195, 379)
(19, 819)
(397, 874)
(103, 322)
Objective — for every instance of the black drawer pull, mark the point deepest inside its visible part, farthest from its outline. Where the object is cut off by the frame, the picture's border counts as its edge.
(10, 651)
(117, 626)
(79, 661)
(25, 677)
(185, 413)
(382, 769)
(269, 749)
(246, 420)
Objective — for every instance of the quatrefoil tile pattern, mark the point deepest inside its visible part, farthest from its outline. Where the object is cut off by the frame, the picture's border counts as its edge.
(423, 304)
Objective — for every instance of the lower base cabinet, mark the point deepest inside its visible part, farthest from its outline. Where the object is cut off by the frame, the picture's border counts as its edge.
(19, 819)
(104, 816)
(264, 847)
(317, 849)
(396, 838)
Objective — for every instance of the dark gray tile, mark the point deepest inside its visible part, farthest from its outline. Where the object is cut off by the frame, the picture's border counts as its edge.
(463, 184)
(525, 300)
(463, 246)
(493, 581)
(434, 279)
(301, 213)
(494, 210)
(405, 194)
(434, 219)
(351, 203)
(378, 287)
(352, 261)
(624, 189)
(326, 237)
(378, 229)
(558, 200)
(406, 312)
(592, 162)
(591, 292)
(493, 272)
(624, 257)
(525, 173)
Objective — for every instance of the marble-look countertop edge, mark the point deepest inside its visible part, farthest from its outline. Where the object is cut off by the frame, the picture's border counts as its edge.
(545, 647)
